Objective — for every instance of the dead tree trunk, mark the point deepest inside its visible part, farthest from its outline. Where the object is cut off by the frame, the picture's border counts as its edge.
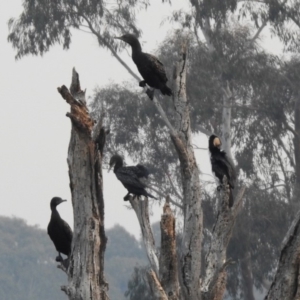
(85, 272)
(190, 256)
(214, 282)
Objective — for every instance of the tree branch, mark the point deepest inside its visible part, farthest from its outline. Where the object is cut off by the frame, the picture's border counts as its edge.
(141, 209)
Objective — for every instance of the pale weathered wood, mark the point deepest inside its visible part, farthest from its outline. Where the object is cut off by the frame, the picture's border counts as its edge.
(156, 289)
(85, 272)
(141, 208)
(168, 271)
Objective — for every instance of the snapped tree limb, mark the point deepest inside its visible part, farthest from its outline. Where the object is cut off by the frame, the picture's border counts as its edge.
(168, 257)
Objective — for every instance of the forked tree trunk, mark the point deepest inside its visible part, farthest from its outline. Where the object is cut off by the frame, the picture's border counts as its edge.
(86, 264)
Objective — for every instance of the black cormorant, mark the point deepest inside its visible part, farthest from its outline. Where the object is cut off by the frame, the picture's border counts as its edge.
(151, 69)
(221, 164)
(59, 231)
(130, 177)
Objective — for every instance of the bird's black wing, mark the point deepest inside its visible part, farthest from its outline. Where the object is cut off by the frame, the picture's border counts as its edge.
(140, 171)
(221, 166)
(152, 65)
(128, 177)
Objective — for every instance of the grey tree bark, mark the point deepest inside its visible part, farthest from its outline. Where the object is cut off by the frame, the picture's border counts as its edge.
(86, 263)
(142, 212)
(190, 256)
(214, 282)
(286, 283)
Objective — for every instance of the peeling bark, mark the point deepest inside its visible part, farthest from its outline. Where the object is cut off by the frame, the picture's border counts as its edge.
(85, 272)
(190, 258)
(141, 208)
(168, 256)
(214, 281)
(286, 284)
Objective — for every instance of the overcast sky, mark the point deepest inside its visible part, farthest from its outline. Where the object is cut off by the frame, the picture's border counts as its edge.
(34, 131)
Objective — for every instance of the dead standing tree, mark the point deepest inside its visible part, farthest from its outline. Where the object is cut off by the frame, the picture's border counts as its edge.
(181, 279)
(86, 262)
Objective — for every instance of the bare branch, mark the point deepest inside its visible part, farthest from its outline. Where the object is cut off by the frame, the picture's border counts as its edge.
(173, 186)
(260, 29)
(141, 209)
(156, 288)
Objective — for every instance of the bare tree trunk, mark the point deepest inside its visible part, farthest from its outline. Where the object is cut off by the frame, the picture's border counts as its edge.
(286, 284)
(214, 281)
(190, 259)
(85, 272)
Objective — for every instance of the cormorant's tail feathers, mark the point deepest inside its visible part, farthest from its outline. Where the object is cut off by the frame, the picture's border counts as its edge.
(166, 91)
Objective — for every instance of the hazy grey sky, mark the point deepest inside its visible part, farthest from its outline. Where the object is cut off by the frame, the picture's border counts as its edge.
(34, 131)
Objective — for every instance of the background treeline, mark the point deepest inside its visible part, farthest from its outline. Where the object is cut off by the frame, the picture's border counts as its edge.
(28, 269)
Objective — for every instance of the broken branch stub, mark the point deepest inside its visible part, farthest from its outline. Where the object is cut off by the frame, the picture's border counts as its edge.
(168, 266)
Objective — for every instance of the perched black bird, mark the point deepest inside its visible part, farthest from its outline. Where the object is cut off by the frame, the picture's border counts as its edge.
(130, 177)
(59, 231)
(151, 69)
(221, 164)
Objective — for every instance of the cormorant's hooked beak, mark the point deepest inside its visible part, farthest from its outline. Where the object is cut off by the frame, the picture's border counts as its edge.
(118, 38)
(63, 200)
(217, 142)
(110, 167)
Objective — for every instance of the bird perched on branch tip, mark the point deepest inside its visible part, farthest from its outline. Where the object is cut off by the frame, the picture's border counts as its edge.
(151, 69)
(130, 177)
